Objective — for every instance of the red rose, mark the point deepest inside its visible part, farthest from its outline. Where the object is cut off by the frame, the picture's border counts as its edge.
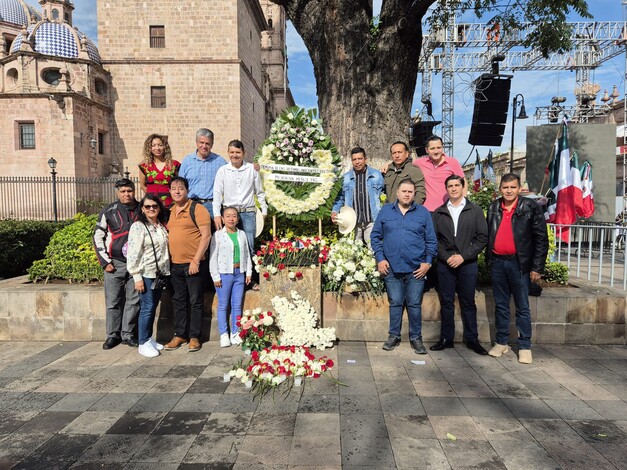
(260, 333)
(281, 266)
(282, 255)
(330, 363)
(299, 275)
(266, 275)
(255, 355)
(269, 314)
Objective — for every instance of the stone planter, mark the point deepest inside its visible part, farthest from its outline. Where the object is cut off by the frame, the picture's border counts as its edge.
(309, 287)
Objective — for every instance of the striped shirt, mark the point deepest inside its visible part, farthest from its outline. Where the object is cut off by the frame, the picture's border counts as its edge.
(361, 203)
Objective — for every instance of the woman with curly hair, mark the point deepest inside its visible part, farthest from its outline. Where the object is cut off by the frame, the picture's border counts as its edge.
(158, 168)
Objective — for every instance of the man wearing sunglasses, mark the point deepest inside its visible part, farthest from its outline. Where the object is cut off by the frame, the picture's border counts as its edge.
(110, 243)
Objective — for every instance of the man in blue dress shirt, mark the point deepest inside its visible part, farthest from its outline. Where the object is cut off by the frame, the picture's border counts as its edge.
(200, 168)
(404, 245)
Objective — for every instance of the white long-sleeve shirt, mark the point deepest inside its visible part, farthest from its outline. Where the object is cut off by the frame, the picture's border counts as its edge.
(237, 187)
(140, 259)
(221, 254)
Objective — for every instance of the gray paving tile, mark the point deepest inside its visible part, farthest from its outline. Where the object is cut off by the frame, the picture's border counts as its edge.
(198, 402)
(264, 450)
(443, 406)
(157, 402)
(181, 423)
(164, 448)
(270, 424)
(234, 403)
(76, 402)
(16, 447)
(37, 401)
(402, 386)
(575, 454)
(93, 422)
(217, 450)
(462, 427)
(48, 422)
(117, 402)
(501, 428)
(281, 402)
(610, 409)
(522, 408)
(324, 451)
(208, 385)
(523, 455)
(64, 448)
(319, 404)
(10, 421)
(312, 424)
(358, 426)
(572, 409)
(484, 407)
(407, 448)
(360, 404)
(228, 423)
(366, 452)
(136, 423)
(401, 405)
(472, 454)
(358, 387)
(403, 426)
(113, 448)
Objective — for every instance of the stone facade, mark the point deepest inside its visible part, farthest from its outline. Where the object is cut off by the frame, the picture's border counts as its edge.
(95, 117)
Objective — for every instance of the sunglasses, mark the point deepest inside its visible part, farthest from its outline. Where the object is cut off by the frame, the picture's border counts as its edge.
(150, 207)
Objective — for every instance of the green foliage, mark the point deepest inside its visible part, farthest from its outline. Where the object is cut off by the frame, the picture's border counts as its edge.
(22, 242)
(484, 278)
(484, 197)
(375, 31)
(70, 254)
(555, 273)
(286, 227)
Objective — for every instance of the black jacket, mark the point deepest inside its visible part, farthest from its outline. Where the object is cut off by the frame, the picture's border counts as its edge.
(111, 232)
(530, 235)
(472, 232)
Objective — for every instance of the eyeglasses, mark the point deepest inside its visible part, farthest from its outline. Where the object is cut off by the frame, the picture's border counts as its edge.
(151, 207)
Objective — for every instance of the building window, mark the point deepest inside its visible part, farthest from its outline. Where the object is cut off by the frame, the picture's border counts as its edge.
(101, 86)
(52, 76)
(101, 143)
(55, 14)
(157, 96)
(27, 135)
(157, 36)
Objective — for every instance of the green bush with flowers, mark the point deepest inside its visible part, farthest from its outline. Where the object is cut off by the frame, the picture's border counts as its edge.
(300, 166)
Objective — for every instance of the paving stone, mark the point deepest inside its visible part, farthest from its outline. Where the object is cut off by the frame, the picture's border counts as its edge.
(472, 390)
(434, 389)
(37, 401)
(484, 407)
(359, 404)
(312, 424)
(402, 386)
(551, 391)
(472, 454)
(113, 448)
(208, 385)
(502, 428)
(157, 402)
(401, 405)
(163, 448)
(181, 423)
(358, 426)
(402, 426)
(550, 429)
(31, 464)
(462, 427)
(572, 409)
(136, 423)
(198, 402)
(93, 422)
(10, 421)
(280, 402)
(76, 402)
(443, 406)
(358, 387)
(117, 402)
(610, 409)
(153, 371)
(575, 454)
(270, 424)
(324, 450)
(373, 453)
(8, 398)
(184, 371)
(213, 451)
(529, 408)
(16, 447)
(412, 452)
(48, 422)
(264, 450)
(523, 455)
(228, 423)
(64, 448)
(235, 403)
(319, 404)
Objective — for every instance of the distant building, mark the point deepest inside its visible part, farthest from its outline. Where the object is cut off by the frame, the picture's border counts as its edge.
(168, 68)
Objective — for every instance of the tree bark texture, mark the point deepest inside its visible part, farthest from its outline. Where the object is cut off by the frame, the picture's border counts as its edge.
(365, 82)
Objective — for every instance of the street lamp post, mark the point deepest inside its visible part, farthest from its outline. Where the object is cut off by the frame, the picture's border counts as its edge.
(521, 115)
(52, 163)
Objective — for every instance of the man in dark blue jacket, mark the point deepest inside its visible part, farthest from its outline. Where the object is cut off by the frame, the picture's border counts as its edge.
(462, 234)
(404, 245)
(110, 242)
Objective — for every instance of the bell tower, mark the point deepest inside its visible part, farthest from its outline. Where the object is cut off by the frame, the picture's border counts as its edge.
(57, 10)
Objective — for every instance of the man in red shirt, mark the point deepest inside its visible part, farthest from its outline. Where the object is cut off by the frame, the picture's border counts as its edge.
(517, 248)
(436, 167)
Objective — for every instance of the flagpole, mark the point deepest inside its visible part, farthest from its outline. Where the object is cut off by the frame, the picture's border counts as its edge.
(523, 115)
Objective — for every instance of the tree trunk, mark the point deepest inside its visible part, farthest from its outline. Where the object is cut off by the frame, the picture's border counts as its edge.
(365, 83)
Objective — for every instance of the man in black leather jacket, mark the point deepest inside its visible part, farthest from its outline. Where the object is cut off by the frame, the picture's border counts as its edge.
(517, 249)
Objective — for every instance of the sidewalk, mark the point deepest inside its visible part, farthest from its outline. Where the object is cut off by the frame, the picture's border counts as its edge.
(73, 405)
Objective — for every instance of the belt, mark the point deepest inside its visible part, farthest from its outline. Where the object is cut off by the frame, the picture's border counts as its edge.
(504, 257)
(242, 209)
(202, 201)
(235, 265)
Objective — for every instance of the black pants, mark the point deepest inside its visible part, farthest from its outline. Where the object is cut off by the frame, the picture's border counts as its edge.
(188, 299)
(461, 280)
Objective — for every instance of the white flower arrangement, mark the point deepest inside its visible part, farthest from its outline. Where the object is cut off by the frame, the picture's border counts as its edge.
(351, 267)
(298, 323)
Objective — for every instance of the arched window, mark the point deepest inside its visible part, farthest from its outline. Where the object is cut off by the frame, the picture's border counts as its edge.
(12, 76)
(101, 86)
(51, 76)
(55, 14)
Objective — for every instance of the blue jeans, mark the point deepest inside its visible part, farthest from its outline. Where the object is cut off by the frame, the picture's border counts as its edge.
(148, 301)
(231, 292)
(507, 282)
(461, 280)
(248, 223)
(405, 289)
(209, 206)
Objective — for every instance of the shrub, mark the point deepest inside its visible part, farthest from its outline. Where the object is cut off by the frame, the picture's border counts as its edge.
(70, 254)
(22, 242)
(555, 273)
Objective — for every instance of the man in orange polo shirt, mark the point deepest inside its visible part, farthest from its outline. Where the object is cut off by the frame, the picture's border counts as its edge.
(189, 235)
(517, 247)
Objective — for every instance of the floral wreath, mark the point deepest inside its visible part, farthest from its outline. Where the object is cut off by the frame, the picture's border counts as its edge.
(297, 140)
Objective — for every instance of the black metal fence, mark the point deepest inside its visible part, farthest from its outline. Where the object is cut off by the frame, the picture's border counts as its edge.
(31, 197)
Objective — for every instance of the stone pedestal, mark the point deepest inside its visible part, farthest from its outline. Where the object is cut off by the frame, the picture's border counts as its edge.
(309, 287)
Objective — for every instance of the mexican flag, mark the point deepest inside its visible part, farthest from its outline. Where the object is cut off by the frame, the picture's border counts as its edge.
(565, 195)
(586, 186)
(489, 172)
(477, 174)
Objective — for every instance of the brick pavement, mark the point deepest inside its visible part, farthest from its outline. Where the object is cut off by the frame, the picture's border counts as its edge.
(73, 405)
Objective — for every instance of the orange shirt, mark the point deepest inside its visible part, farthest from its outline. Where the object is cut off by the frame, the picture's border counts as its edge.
(184, 236)
(504, 240)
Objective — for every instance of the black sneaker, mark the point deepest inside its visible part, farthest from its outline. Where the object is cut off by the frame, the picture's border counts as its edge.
(391, 343)
(417, 346)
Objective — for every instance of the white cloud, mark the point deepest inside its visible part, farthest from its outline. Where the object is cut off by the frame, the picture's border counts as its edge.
(84, 18)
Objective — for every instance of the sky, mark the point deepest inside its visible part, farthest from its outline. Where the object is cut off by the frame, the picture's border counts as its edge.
(536, 87)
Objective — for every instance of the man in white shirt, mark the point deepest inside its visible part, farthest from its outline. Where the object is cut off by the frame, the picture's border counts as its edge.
(236, 185)
(462, 234)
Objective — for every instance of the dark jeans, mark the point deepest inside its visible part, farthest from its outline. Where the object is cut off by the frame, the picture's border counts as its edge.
(461, 280)
(148, 301)
(188, 299)
(507, 282)
(405, 289)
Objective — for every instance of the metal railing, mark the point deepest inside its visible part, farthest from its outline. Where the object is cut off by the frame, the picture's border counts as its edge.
(31, 197)
(593, 251)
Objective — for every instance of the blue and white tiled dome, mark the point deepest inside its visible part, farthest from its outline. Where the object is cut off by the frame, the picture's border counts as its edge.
(17, 12)
(57, 39)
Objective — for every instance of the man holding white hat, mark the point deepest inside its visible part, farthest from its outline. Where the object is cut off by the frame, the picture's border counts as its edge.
(361, 191)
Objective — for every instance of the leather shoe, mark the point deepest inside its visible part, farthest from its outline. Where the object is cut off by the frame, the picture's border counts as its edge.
(175, 343)
(476, 347)
(418, 346)
(111, 342)
(194, 344)
(442, 344)
(130, 341)
(391, 343)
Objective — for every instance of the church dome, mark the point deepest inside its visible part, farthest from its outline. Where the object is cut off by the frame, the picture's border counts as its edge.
(57, 39)
(17, 12)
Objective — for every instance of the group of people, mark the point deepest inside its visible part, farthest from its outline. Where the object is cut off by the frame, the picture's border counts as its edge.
(166, 238)
(430, 235)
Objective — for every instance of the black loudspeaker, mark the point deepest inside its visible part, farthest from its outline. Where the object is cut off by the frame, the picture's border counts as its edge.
(418, 134)
(490, 113)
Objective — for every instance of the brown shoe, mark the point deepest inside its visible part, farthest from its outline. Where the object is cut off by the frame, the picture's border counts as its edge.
(194, 344)
(175, 343)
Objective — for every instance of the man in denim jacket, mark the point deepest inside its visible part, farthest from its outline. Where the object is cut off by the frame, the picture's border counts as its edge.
(361, 190)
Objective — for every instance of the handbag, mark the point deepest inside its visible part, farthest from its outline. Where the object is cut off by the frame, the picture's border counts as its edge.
(161, 281)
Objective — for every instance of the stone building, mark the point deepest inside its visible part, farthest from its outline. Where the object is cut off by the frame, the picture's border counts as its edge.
(168, 67)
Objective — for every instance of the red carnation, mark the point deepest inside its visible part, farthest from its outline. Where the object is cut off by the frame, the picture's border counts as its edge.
(330, 363)
(260, 333)
(299, 275)
(269, 314)
(266, 275)
(281, 266)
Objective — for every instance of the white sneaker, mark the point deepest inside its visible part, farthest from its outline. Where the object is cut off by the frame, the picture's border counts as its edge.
(235, 339)
(157, 346)
(225, 342)
(147, 350)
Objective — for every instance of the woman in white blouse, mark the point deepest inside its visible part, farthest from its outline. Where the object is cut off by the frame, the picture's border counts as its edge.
(230, 266)
(148, 257)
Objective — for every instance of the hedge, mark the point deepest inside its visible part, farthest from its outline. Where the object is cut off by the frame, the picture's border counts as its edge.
(22, 242)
